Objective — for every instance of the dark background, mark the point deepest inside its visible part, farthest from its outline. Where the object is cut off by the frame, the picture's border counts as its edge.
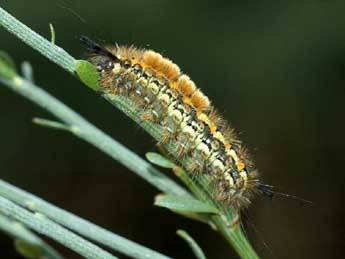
(275, 69)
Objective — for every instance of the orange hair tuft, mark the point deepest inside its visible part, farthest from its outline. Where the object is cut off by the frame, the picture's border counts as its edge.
(152, 59)
(199, 100)
(162, 65)
(169, 69)
(185, 85)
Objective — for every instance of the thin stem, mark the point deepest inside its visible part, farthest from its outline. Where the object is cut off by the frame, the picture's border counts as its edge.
(192, 243)
(77, 224)
(45, 226)
(235, 237)
(20, 232)
(227, 224)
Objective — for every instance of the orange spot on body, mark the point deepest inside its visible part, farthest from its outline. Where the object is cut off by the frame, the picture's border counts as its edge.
(173, 84)
(227, 145)
(186, 100)
(203, 117)
(213, 127)
(240, 165)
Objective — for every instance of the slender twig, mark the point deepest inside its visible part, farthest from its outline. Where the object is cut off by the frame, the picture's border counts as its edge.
(77, 224)
(45, 226)
(228, 224)
(192, 243)
(21, 233)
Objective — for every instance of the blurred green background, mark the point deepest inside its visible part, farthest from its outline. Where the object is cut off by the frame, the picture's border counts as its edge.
(274, 69)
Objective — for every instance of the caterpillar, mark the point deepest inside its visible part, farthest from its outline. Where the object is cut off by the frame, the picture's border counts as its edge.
(170, 98)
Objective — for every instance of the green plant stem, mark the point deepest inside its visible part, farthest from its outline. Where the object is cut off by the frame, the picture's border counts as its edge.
(19, 232)
(77, 224)
(63, 59)
(191, 242)
(43, 225)
(226, 224)
(235, 237)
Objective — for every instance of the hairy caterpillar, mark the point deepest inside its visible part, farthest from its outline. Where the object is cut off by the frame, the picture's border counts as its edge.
(168, 97)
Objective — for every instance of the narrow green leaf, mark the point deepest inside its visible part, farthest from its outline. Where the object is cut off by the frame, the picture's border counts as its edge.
(7, 67)
(52, 33)
(51, 124)
(28, 250)
(184, 204)
(88, 74)
(158, 159)
(191, 242)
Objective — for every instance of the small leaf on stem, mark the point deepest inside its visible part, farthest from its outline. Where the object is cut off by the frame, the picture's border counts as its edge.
(7, 67)
(87, 74)
(158, 159)
(184, 204)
